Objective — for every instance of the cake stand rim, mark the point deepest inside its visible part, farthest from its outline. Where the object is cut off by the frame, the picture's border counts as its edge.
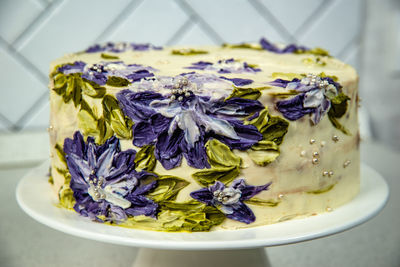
(38, 204)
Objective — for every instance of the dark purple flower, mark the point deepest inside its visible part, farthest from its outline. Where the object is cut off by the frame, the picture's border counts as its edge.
(75, 67)
(292, 48)
(229, 200)
(184, 114)
(120, 47)
(315, 94)
(238, 81)
(104, 181)
(224, 66)
(100, 72)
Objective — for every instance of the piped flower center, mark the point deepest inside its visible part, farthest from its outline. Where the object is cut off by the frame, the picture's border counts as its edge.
(95, 188)
(182, 89)
(316, 81)
(227, 196)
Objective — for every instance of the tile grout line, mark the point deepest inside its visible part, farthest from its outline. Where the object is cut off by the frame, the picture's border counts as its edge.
(119, 19)
(186, 26)
(313, 18)
(25, 63)
(40, 101)
(6, 122)
(21, 40)
(346, 51)
(187, 8)
(269, 17)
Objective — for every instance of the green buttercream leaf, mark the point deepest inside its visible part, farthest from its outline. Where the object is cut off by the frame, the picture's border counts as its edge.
(60, 83)
(283, 95)
(287, 75)
(188, 52)
(223, 174)
(167, 188)
(92, 89)
(322, 190)
(190, 216)
(66, 196)
(243, 46)
(273, 129)
(317, 51)
(314, 61)
(119, 123)
(263, 157)
(145, 159)
(220, 155)
(262, 202)
(117, 81)
(108, 56)
(247, 93)
(60, 153)
(333, 77)
(337, 110)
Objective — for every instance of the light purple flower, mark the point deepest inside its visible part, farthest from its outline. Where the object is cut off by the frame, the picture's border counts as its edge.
(224, 66)
(291, 48)
(179, 114)
(104, 181)
(229, 200)
(315, 94)
(121, 47)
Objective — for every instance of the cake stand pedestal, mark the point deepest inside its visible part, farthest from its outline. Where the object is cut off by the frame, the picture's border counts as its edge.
(243, 247)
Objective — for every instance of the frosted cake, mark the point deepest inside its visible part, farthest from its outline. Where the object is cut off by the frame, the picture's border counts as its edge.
(203, 138)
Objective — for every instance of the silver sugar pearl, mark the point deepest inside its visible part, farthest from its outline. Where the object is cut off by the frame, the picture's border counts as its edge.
(179, 91)
(323, 143)
(346, 163)
(312, 141)
(330, 173)
(335, 138)
(316, 154)
(280, 196)
(325, 173)
(329, 209)
(187, 94)
(303, 153)
(315, 161)
(173, 97)
(180, 98)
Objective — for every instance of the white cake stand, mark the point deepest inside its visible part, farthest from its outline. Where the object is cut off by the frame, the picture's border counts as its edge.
(220, 248)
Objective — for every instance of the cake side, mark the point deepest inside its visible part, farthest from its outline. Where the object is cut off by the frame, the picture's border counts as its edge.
(263, 136)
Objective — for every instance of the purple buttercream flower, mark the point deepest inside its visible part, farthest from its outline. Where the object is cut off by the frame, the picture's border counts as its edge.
(121, 47)
(315, 94)
(179, 114)
(292, 48)
(104, 181)
(99, 73)
(224, 66)
(238, 81)
(229, 200)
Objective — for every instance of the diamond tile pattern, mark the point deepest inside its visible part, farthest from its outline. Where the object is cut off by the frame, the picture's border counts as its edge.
(34, 32)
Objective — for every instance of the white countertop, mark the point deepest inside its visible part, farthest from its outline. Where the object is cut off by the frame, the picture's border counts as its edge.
(25, 242)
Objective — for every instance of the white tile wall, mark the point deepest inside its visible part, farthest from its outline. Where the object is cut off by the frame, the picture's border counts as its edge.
(34, 32)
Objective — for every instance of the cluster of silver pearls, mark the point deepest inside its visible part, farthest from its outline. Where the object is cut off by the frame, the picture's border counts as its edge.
(96, 184)
(328, 173)
(96, 68)
(220, 196)
(182, 88)
(316, 81)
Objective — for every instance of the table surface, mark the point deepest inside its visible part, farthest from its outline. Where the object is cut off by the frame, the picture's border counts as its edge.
(25, 242)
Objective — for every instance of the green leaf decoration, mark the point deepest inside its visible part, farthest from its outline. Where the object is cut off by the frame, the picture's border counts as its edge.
(333, 77)
(220, 155)
(314, 61)
(273, 129)
(225, 165)
(188, 52)
(113, 115)
(287, 75)
(66, 196)
(117, 81)
(210, 176)
(283, 95)
(322, 190)
(247, 93)
(337, 110)
(145, 159)
(167, 188)
(317, 51)
(60, 153)
(190, 216)
(72, 86)
(108, 56)
(243, 46)
(262, 202)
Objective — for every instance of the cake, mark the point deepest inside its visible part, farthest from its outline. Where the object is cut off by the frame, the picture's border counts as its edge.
(203, 138)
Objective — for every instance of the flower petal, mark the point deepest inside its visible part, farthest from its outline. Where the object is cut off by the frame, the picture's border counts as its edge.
(242, 213)
(141, 205)
(168, 149)
(143, 134)
(203, 195)
(293, 109)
